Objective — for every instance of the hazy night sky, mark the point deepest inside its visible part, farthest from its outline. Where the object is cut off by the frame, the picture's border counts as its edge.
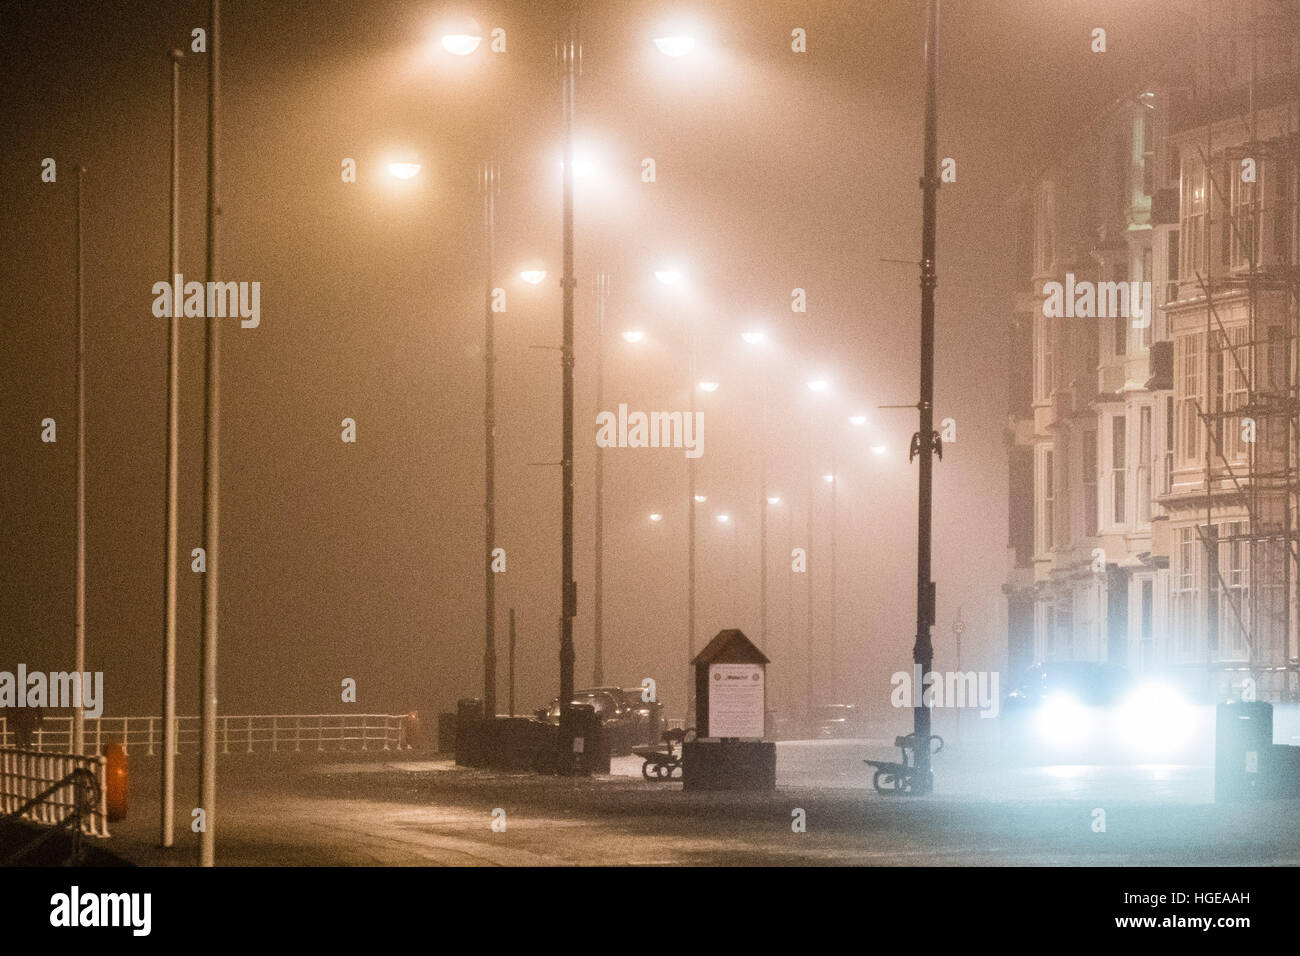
(774, 171)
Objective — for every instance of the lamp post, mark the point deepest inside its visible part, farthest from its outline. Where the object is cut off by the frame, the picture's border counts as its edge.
(598, 664)
(817, 386)
(568, 587)
(168, 771)
(211, 471)
(79, 624)
(925, 441)
(489, 178)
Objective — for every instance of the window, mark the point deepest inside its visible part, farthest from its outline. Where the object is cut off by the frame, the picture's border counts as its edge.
(1171, 265)
(1117, 455)
(1147, 298)
(1144, 465)
(1232, 391)
(1044, 356)
(1047, 501)
(1245, 221)
(1148, 147)
(1193, 219)
(1182, 596)
(1169, 444)
(1187, 395)
(1234, 562)
(1090, 482)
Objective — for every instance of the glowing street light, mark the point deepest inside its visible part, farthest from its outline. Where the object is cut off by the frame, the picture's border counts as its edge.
(774, 500)
(819, 385)
(403, 170)
(858, 420)
(724, 518)
(709, 386)
(701, 498)
(656, 517)
(632, 336)
(675, 46)
(878, 449)
(829, 479)
(754, 337)
(533, 276)
(582, 167)
(461, 44)
(668, 276)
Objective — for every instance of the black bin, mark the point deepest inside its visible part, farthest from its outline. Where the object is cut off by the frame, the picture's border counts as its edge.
(584, 747)
(469, 732)
(1243, 750)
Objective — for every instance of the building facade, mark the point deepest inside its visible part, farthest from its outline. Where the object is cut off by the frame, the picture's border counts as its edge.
(1153, 404)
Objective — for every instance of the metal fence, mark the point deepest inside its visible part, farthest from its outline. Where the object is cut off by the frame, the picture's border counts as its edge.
(255, 733)
(26, 773)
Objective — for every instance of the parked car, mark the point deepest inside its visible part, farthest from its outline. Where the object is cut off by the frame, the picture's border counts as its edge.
(616, 718)
(835, 721)
(647, 718)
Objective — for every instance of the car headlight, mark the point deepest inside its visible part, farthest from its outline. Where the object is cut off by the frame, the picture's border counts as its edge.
(1156, 720)
(1063, 720)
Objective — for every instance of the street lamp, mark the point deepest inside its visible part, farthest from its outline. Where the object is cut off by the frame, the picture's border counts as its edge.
(461, 37)
(633, 336)
(656, 517)
(675, 46)
(818, 385)
(404, 170)
(709, 386)
(533, 276)
(669, 276)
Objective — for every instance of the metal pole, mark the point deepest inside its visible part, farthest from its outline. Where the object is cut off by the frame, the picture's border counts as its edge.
(211, 476)
(171, 521)
(79, 625)
(569, 588)
(835, 481)
(488, 182)
(598, 665)
(762, 524)
(512, 662)
(690, 551)
(808, 562)
(924, 442)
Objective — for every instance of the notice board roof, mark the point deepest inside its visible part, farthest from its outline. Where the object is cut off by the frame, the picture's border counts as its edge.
(731, 647)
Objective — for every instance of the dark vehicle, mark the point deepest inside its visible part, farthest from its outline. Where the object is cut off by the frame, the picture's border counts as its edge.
(1092, 712)
(647, 717)
(835, 722)
(616, 720)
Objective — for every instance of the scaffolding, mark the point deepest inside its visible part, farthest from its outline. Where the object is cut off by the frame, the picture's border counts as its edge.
(1251, 419)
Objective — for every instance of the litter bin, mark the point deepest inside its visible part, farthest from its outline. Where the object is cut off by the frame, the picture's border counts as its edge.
(584, 747)
(1243, 750)
(469, 732)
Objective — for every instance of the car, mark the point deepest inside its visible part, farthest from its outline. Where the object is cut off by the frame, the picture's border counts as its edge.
(1096, 712)
(835, 721)
(616, 718)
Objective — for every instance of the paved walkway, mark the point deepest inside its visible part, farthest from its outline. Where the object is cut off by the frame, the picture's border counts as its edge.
(395, 810)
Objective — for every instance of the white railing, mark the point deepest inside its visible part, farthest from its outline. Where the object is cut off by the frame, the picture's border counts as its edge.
(256, 733)
(26, 773)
